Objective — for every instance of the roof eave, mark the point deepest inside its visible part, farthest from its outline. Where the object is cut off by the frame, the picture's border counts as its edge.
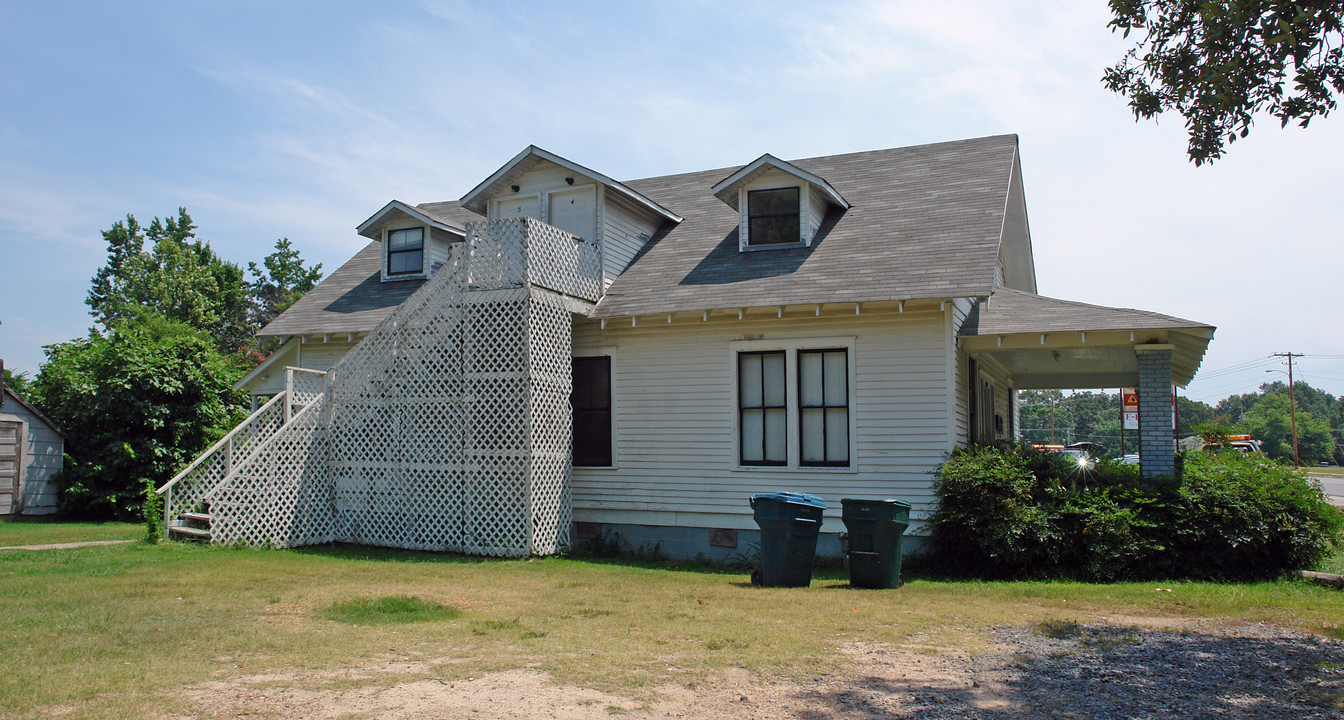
(37, 413)
(726, 189)
(367, 227)
(475, 199)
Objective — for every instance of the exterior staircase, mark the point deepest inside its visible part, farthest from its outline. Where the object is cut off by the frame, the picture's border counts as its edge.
(192, 526)
(187, 497)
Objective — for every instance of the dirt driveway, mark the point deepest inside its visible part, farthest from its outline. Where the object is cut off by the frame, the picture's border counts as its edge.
(1126, 668)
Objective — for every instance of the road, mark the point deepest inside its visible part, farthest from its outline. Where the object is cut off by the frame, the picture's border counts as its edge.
(1334, 485)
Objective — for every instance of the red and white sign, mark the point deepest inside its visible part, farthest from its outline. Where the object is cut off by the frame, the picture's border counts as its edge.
(1129, 400)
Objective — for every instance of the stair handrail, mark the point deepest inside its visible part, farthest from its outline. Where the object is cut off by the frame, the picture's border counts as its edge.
(262, 446)
(220, 443)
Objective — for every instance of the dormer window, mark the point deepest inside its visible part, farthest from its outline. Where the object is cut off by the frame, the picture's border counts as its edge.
(773, 217)
(406, 251)
(780, 205)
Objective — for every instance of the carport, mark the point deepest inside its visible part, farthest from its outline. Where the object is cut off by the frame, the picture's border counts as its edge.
(1046, 343)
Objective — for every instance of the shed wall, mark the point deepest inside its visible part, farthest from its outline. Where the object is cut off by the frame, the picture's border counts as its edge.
(41, 458)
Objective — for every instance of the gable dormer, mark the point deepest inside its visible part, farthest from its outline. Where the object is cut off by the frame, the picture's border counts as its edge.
(780, 205)
(415, 243)
(585, 203)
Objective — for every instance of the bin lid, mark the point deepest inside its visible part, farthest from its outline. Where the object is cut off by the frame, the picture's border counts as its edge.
(887, 501)
(795, 498)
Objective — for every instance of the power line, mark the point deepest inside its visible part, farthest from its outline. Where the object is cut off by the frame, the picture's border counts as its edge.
(1292, 404)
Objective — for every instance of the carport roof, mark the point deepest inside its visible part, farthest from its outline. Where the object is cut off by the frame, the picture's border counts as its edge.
(1050, 343)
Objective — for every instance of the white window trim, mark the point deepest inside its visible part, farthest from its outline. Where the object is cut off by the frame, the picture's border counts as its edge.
(608, 351)
(791, 346)
(424, 253)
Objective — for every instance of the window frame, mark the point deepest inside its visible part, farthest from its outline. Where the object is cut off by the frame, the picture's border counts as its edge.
(750, 219)
(609, 352)
(824, 407)
(790, 346)
(388, 252)
(765, 409)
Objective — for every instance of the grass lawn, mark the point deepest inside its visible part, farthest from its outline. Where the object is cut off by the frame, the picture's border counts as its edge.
(47, 530)
(1332, 471)
(116, 630)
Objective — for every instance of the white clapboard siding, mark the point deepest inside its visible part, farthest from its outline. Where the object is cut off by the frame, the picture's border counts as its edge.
(996, 373)
(961, 421)
(318, 355)
(675, 418)
(624, 233)
(40, 459)
(816, 212)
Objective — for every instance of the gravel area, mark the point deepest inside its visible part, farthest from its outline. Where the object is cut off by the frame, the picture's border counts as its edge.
(1067, 670)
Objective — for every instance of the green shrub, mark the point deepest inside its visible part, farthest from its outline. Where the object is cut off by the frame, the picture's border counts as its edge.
(1015, 512)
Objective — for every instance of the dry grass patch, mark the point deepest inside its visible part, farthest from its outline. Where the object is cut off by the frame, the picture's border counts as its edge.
(122, 630)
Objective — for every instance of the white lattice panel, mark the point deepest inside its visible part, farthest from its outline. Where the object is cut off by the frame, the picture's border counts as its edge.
(448, 427)
(304, 386)
(187, 493)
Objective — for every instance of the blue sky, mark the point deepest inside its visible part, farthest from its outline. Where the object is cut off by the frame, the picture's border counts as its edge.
(301, 119)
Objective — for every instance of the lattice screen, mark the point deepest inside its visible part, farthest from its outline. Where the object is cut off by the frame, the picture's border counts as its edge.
(448, 427)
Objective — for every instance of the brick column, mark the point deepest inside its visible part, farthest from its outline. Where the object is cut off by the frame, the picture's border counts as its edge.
(1157, 446)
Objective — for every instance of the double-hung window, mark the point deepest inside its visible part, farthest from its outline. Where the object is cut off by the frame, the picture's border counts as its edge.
(773, 217)
(794, 407)
(406, 251)
(823, 407)
(762, 408)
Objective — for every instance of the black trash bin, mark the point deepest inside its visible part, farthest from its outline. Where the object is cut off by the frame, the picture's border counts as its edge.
(875, 528)
(789, 525)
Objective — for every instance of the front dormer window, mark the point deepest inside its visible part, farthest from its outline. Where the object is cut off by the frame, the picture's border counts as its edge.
(773, 217)
(406, 251)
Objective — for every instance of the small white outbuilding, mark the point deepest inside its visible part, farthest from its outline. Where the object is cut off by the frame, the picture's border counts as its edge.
(31, 453)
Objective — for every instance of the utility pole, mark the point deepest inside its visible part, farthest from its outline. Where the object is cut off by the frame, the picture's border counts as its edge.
(1052, 420)
(1292, 404)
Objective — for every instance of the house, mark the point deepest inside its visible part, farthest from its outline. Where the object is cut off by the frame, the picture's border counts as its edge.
(559, 355)
(32, 451)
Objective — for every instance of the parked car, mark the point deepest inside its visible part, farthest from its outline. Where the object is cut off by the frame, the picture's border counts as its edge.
(1130, 459)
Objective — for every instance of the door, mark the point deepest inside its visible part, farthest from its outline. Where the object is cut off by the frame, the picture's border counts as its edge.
(575, 212)
(518, 206)
(11, 442)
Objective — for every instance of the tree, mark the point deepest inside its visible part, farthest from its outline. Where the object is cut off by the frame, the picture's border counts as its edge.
(178, 277)
(1220, 63)
(1269, 422)
(16, 381)
(284, 282)
(136, 404)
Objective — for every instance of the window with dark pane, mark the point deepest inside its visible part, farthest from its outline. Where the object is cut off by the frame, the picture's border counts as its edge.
(762, 408)
(772, 217)
(405, 251)
(591, 402)
(823, 407)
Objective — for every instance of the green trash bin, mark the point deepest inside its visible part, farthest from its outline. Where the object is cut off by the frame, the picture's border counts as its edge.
(875, 529)
(789, 525)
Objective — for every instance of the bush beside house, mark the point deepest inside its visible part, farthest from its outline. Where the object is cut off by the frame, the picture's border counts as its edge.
(1013, 512)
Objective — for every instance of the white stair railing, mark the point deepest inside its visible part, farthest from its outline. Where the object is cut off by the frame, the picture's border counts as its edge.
(195, 484)
(188, 488)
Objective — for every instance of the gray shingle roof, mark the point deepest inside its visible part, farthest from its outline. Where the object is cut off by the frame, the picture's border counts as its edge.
(926, 222)
(353, 299)
(1014, 311)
